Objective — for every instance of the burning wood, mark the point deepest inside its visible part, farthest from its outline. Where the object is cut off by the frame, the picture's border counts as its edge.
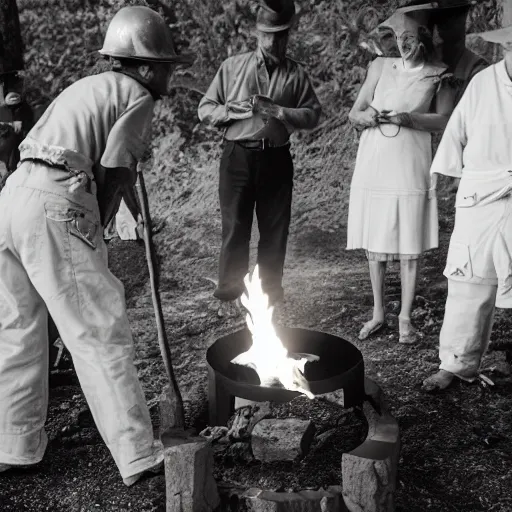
(273, 363)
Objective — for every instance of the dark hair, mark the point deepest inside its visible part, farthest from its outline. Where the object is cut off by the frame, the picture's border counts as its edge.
(425, 37)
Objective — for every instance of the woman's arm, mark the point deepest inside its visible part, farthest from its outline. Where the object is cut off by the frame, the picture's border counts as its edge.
(435, 122)
(361, 114)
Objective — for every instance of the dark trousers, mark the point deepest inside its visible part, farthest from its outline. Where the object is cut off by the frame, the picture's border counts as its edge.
(262, 181)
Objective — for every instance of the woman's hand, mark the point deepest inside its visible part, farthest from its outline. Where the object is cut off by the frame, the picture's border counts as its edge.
(365, 119)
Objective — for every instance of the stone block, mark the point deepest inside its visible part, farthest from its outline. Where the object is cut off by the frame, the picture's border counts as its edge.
(267, 501)
(287, 439)
(327, 501)
(369, 471)
(190, 486)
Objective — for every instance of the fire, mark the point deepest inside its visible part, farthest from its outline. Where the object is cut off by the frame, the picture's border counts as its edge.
(267, 355)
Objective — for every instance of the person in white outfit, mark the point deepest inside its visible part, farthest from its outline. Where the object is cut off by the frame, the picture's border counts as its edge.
(392, 211)
(477, 148)
(76, 164)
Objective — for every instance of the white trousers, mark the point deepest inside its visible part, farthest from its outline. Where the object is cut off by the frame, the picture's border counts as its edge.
(467, 327)
(53, 258)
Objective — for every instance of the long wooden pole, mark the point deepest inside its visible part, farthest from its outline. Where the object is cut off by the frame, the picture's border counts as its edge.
(165, 349)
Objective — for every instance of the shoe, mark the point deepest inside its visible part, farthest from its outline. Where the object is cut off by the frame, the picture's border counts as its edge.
(438, 382)
(371, 327)
(230, 309)
(156, 469)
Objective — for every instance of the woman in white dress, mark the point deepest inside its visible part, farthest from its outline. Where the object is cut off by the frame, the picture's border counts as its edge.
(393, 209)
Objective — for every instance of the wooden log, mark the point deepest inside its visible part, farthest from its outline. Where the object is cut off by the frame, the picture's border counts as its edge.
(285, 439)
(190, 486)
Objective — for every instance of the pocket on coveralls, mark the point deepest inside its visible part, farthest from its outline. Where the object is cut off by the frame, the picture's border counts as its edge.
(79, 222)
(458, 262)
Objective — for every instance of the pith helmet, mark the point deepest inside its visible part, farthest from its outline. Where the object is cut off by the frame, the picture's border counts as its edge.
(441, 5)
(275, 15)
(502, 36)
(138, 32)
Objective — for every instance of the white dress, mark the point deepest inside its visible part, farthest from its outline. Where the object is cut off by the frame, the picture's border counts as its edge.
(392, 211)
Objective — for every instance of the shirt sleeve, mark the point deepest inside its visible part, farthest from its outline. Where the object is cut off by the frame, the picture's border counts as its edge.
(214, 109)
(449, 156)
(308, 110)
(129, 137)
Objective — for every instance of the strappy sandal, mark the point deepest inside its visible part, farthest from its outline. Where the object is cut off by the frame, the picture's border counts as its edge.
(367, 331)
(411, 336)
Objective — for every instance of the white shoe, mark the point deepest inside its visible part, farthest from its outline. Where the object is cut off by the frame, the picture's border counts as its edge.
(157, 468)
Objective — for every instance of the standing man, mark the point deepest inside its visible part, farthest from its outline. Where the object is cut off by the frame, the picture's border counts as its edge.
(448, 21)
(258, 98)
(77, 163)
(476, 148)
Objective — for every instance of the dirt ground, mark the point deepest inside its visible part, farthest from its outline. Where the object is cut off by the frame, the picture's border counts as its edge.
(457, 448)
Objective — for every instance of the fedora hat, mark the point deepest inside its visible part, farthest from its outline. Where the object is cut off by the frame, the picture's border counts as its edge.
(275, 15)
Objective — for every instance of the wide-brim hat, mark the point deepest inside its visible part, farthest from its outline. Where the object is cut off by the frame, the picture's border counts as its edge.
(407, 18)
(382, 39)
(441, 5)
(275, 15)
(502, 36)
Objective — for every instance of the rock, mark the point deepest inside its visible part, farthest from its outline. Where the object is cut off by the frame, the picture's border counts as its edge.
(257, 500)
(369, 471)
(190, 486)
(286, 439)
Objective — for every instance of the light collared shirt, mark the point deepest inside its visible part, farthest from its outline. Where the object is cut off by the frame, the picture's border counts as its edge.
(479, 133)
(242, 76)
(103, 119)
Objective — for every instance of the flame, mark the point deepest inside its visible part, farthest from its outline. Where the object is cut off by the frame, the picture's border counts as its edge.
(267, 354)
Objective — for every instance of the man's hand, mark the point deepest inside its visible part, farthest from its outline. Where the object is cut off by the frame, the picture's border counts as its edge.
(402, 119)
(266, 108)
(239, 110)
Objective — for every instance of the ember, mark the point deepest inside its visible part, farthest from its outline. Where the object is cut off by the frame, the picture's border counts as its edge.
(267, 355)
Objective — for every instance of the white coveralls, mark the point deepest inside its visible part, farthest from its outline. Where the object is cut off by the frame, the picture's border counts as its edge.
(53, 258)
(477, 147)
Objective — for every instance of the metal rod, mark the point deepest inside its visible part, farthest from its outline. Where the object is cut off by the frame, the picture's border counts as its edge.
(165, 348)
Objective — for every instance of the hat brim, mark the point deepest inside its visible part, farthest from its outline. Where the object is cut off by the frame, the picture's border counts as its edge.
(271, 29)
(501, 36)
(434, 6)
(186, 59)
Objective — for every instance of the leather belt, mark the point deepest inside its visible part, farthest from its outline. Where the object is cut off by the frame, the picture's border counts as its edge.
(259, 145)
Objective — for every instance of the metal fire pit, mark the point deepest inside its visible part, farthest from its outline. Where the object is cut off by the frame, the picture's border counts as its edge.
(340, 367)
